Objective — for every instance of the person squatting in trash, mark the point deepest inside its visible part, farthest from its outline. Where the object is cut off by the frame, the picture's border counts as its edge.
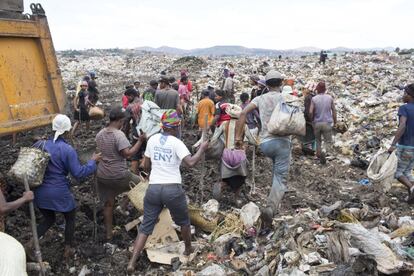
(54, 194)
(163, 158)
(234, 164)
(404, 142)
(277, 148)
(113, 176)
(323, 113)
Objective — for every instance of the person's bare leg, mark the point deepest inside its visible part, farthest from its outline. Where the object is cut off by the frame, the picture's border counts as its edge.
(75, 126)
(405, 181)
(186, 236)
(138, 247)
(88, 125)
(108, 217)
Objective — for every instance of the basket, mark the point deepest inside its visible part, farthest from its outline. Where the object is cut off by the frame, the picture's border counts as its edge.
(96, 113)
(197, 220)
(137, 193)
(31, 162)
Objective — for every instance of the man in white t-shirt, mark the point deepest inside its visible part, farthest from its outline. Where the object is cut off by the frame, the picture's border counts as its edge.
(163, 156)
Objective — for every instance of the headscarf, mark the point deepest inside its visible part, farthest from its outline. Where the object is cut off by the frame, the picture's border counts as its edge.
(61, 124)
(170, 119)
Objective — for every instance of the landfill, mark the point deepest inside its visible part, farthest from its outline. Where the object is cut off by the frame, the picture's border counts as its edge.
(343, 218)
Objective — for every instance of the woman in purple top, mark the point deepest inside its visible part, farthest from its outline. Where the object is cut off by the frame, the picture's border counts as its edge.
(54, 194)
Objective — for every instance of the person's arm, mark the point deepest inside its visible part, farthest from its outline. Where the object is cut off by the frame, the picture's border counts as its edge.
(178, 104)
(131, 151)
(257, 118)
(146, 164)
(399, 133)
(311, 109)
(75, 102)
(334, 112)
(241, 122)
(76, 169)
(191, 161)
(7, 207)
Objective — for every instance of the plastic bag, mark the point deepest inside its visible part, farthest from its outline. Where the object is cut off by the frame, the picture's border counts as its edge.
(387, 261)
(287, 119)
(150, 122)
(382, 168)
(31, 162)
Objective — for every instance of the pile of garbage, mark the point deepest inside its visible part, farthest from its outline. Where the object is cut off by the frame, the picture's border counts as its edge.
(350, 237)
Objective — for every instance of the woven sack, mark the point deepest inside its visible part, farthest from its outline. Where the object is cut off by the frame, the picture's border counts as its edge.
(31, 162)
(96, 113)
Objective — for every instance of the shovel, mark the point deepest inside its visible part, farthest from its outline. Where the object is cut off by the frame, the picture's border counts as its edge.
(34, 231)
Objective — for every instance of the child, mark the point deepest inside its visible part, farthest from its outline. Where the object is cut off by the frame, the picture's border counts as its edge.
(253, 118)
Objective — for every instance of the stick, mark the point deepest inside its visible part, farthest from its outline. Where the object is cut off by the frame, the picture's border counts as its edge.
(203, 159)
(253, 188)
(95, 202)
(34, 231)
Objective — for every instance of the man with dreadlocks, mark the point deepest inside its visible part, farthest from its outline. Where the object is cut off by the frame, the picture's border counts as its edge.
(163, 157)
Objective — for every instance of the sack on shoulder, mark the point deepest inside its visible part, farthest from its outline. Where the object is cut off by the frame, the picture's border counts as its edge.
(287, 119)
(31, 162)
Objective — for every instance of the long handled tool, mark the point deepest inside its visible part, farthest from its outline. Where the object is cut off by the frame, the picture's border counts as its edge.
(95, 202)
(253, 188)
(34, 231)
(203, 159)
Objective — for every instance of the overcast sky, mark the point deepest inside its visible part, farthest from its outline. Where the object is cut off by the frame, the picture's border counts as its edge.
(271, 24)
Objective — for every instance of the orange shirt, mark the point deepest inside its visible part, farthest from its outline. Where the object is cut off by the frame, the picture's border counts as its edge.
(205, 106)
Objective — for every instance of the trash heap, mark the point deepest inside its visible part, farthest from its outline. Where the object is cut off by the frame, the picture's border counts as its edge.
(346, 238)
(350, 237)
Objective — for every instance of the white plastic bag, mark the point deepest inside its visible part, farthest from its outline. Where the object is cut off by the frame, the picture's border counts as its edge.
(150, 122)
(368, 242)
(287, 118)
(382, 168)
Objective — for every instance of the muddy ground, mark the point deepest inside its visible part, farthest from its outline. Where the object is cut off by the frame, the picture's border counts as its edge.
(310, 184)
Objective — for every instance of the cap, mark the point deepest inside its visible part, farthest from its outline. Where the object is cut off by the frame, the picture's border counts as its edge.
(273, 74)
(211, 84)
(60, 124)
(262, 82)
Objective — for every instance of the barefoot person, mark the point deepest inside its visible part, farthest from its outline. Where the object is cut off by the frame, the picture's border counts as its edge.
(163, 157)
(404, 142)
(113, 176)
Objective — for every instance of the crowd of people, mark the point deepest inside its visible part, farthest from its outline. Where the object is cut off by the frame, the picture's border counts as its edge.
(124, 151)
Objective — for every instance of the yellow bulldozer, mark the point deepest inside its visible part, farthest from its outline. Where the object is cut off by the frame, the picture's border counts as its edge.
(31, 90)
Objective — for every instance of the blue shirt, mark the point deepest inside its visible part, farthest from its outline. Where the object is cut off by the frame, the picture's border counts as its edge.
(407, 111)
(54, 193)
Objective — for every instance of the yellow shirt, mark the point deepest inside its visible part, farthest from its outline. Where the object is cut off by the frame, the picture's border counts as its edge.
(205, 106)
